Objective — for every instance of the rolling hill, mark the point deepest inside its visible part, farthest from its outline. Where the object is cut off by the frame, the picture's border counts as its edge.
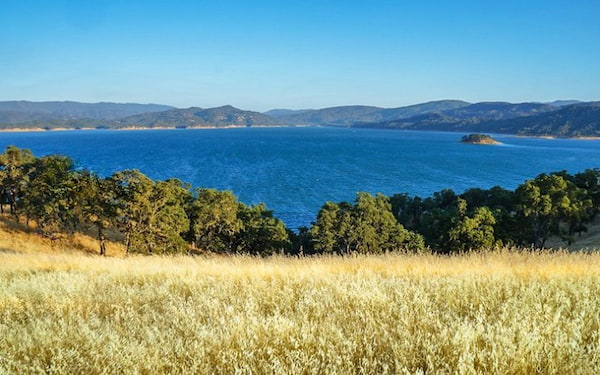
(350, 115)
(197, 117)
(577, 120)
(26, 111)
(581, 119)
(171, 118)
(464, 118)
(280, 112)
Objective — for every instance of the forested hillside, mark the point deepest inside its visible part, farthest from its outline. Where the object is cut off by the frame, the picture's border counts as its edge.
(466, 117)
(350, 115)
(578, 120)
(197, 117)
(528, 119)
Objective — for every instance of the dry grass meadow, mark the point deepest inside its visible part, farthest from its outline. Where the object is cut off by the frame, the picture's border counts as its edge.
(503, 312)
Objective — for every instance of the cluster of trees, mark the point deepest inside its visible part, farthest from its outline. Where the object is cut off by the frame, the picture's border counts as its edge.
(367, 226)
(154, 217)
(555, 204)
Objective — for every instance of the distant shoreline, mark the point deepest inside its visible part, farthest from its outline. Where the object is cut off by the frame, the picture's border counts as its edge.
(136, 128)
(36, 130)
(551, 137)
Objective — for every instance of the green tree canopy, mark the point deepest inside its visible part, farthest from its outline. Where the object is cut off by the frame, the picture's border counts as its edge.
(151, 214)
(15, 166)
(473, 232)
(215, 220)
(262, 233)
(548, 200)
(96, 204)
(367, 226)
(50, 195)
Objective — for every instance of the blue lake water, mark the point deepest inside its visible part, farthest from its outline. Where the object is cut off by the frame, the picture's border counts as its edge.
(295, 170)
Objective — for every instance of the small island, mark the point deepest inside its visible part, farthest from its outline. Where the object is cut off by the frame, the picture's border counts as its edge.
(479, 139)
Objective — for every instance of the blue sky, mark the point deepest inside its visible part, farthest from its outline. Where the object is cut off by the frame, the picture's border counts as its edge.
(299, 54)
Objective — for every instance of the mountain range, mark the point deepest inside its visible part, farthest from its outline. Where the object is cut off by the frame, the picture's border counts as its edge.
(564, 118)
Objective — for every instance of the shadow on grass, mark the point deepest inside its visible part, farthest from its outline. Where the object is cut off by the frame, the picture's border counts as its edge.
(20, 237)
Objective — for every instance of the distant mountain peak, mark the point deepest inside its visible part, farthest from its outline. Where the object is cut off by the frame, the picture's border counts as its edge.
(226, 107)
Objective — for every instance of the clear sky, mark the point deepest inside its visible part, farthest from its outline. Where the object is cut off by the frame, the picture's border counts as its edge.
(299, 54)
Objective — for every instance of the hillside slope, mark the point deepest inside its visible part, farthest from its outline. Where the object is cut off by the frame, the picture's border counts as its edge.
(349, 115)
(18, 238)
(173, 118)
(464, 118)
(24, 111)
(578, 120)
(198, 117)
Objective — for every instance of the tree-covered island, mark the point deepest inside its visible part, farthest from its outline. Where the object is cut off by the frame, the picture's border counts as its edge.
(479, 139)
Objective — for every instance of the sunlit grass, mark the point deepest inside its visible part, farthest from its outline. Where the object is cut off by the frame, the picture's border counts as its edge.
(18, 237)
(502, 312)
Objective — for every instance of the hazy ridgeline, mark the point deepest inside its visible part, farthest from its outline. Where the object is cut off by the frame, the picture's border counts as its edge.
(506, 312)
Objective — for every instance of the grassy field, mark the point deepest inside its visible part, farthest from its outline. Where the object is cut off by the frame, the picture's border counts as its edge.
(504, 312)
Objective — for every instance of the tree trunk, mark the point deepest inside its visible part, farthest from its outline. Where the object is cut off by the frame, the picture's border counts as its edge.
(102, 241)
(13, 211)
(127, 242)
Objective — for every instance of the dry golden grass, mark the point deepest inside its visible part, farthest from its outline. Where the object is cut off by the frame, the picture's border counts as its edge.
(15, 237)
(590, 239)
(503, 312)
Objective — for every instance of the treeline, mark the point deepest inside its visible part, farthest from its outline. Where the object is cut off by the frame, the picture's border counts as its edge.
(151, 217)
(555, 204)
(158, 217)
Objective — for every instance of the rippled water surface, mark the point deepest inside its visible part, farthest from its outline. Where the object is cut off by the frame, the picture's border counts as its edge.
(295, 170)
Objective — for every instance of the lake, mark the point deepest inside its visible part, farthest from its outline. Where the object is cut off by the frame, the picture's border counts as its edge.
(295, 170)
